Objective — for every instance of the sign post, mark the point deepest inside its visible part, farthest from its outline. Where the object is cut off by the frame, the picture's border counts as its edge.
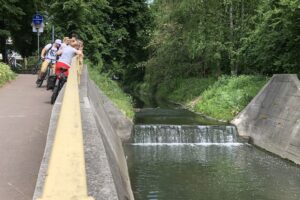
(53, 33)
(38, 26)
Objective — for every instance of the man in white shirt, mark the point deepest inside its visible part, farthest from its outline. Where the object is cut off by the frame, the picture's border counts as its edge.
(49, 55)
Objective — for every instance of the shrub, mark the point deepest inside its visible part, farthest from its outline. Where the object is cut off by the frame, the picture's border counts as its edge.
(6, 74)
(229, 95)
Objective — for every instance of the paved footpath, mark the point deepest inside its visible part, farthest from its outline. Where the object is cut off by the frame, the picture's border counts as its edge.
(24, 119)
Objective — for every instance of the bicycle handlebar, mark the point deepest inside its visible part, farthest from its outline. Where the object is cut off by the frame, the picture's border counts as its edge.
(48, 59)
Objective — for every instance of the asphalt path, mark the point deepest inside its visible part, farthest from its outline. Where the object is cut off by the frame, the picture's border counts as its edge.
(24, 119)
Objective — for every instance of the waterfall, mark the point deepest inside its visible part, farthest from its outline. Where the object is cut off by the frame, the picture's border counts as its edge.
(183, 134)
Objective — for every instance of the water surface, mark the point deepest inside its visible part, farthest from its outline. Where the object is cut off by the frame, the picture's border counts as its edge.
(210, 172)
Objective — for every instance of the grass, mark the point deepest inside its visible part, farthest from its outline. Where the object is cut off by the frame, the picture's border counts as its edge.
(113, 91)
(6, 74)
(229, 95)
(221, 98)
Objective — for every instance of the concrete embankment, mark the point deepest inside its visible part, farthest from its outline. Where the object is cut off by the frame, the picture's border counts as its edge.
(272, 119)
(113, 127)
(102, 124)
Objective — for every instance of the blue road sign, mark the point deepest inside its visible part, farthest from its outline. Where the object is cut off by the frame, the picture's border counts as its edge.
(37, 19)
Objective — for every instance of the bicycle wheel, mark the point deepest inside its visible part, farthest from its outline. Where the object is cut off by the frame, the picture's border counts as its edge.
(36, 68)
(40, 82)
(45, 76)
(54, 94)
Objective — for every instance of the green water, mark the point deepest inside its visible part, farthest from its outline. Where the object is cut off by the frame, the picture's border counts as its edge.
(210, 172)
(151, 110)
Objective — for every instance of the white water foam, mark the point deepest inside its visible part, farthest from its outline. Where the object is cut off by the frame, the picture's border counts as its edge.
(188, 144)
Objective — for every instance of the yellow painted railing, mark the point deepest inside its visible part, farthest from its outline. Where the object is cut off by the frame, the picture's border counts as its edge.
(66, 176)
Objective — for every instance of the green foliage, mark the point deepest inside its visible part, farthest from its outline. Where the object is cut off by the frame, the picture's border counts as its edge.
(24, 40)
(198, 38)
(112, 90)
(5, 74)
(195, 38)
(114, 31)
(229, 95)
(273, 44)
(85, 18)
(10, 14)
(127, 35)
(184, 90)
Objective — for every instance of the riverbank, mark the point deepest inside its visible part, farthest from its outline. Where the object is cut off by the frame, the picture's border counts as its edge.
(6, 74)
(221, 98)
(113, 91)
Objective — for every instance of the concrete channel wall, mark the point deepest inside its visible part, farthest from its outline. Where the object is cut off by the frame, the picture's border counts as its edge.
(114, 128)
(104, 128)
(272, 119)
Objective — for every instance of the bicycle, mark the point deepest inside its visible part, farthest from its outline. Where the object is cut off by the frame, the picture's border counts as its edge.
(37, 66)
(14, 65)
(49, 72)
(61, 79)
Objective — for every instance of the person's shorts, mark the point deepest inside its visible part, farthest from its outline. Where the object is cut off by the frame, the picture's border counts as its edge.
(59, 69)
(45, 65)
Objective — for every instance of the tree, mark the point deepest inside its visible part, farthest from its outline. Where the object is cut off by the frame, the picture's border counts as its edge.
(273, 44)
(127, 35)
(10, 13)
(23, 37)
(198, 38)
(85, 18)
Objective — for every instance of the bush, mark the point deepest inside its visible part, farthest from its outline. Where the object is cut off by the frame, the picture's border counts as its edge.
(229, 95)
(6, 74)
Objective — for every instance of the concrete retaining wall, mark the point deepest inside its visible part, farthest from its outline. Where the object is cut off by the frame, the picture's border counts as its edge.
(272, 119)
(100, 181)
(113, 127)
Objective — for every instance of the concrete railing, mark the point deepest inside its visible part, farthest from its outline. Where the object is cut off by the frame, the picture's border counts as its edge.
(66, 175)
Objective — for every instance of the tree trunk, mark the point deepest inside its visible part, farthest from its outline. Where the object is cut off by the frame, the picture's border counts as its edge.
(3, 42)
(232, 59)
(3, 49)
(243, 13)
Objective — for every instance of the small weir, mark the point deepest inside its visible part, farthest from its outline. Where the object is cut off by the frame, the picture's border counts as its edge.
(184, 134)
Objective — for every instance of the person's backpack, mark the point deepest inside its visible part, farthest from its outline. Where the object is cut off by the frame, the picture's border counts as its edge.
(46, 53)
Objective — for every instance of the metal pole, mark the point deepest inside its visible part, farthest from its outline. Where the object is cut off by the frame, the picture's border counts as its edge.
(38, 37)
(53, 34)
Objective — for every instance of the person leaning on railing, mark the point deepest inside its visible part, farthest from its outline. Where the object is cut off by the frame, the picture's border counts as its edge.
(66, 42)
(66, 55)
